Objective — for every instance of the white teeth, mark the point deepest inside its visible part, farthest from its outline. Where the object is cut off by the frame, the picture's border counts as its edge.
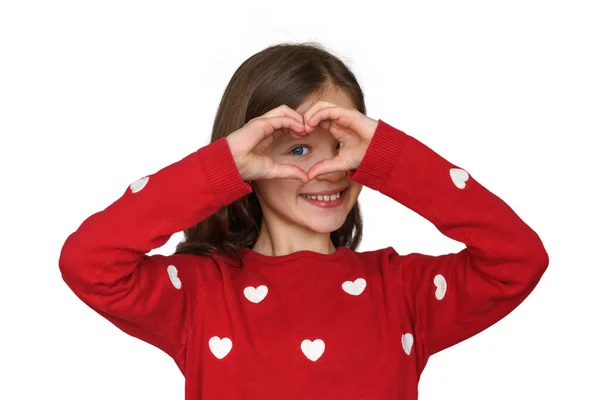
(324, 198)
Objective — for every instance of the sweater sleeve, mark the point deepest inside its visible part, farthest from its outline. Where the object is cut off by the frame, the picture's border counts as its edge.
(104, 262)
(453, 296)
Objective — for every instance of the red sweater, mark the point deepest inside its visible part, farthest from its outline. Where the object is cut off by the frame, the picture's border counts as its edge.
(347, 325)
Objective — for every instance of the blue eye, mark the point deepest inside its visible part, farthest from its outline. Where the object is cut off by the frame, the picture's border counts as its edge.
(298, 147)
(303, 145)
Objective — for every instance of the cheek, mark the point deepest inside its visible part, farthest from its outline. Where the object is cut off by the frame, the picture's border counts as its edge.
(354, 191)
(278, 191)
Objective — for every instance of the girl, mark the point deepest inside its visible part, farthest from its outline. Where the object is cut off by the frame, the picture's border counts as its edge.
(267, 297)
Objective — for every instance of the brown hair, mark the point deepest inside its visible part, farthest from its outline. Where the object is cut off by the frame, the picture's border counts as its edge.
(285, 73)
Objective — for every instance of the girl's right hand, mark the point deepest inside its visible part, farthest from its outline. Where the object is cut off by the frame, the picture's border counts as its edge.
(249, 143)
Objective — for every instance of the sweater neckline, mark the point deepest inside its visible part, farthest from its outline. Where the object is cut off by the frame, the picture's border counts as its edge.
(339, 252)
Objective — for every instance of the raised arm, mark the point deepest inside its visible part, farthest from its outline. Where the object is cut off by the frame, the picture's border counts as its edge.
(453, 296)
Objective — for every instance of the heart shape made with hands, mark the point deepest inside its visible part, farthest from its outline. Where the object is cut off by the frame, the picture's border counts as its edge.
(350, 127)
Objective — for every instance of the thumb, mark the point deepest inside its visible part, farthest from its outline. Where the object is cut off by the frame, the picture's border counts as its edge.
(324, 167)
(288, 171)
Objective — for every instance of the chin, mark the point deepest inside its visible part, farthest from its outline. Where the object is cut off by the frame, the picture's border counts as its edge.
(325, 226)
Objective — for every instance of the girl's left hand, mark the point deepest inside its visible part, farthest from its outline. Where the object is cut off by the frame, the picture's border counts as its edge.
(350, 127)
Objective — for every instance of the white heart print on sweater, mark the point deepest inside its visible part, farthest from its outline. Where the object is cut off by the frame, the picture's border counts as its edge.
(220, 347)
(440, 283)
(139, 184)
(172, 271)
(313, 349)
(459, 177)
(354, 288)
(256, 295)
(407, 342)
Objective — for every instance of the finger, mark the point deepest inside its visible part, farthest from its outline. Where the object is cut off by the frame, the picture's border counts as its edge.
(316, 107)
(292, 130)
(324, 124)
(325, 166)
(285, 110)
(267, 126)
(289, 171)
(278, 132)
(294, 134)
(331, 113)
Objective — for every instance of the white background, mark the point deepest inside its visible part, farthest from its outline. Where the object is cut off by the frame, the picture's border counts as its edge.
(94, 95)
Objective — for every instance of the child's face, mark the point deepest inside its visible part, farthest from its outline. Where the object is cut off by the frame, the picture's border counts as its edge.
(280, 199)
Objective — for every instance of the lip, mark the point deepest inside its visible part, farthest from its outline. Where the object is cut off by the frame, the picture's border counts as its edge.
(326, 192)
(327, 204)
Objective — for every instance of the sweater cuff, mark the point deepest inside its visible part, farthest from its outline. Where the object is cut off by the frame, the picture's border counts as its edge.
(222, 173)
(380, 157)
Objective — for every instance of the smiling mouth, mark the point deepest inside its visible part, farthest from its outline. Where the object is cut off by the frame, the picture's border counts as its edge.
(332, 197)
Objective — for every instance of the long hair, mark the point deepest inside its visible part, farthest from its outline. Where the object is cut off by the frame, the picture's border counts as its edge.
(286, 73)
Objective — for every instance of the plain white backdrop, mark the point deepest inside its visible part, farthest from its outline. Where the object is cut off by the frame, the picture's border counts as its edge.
(94, 95)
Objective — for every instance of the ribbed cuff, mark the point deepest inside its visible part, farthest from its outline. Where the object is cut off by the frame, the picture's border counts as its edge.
(380, 157)
(225, 179)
